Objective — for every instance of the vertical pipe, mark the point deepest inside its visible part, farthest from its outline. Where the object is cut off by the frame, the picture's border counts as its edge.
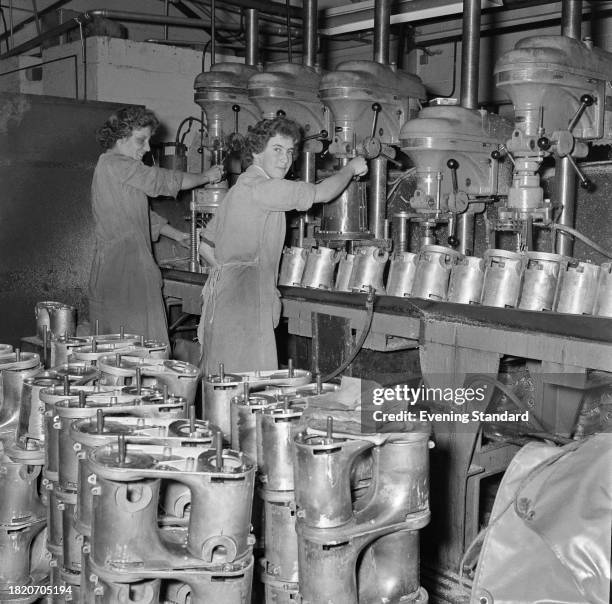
(194, 266)
(470, 54)
(378, 197)
(308, 166)
(465, 233)
(213, 50)
(37, 20)
(11, 23)
(309, 21)
(401, 239)
(252, 37)
(289, 40)
(167, 12)
(565, 178)
(382, 25)
(308, 172)
(571, 19)
(565, 183)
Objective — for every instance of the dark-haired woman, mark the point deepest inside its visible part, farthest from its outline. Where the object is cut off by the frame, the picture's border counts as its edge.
(125, 287)
(243, 243)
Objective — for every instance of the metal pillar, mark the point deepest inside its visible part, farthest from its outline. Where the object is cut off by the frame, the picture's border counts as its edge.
(382, 21)
(565, 177)
(309, 21)
(470, 54)
(465, 232)
(378, 197)
(252, 36)
(571, 19)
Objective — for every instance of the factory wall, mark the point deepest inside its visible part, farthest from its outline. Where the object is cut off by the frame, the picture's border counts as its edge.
(46, 164)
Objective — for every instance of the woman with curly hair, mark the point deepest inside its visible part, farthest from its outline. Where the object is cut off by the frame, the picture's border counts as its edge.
(243, 244)
(125, 286)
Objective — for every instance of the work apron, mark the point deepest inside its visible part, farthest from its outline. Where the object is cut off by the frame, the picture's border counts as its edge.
(239, 313)
(125, 289)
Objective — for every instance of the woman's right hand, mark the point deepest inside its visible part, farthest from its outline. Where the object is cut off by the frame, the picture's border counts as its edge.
(214, 174)
(359, 166)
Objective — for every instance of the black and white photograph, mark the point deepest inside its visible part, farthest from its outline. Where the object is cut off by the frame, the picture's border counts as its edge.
(305, 301)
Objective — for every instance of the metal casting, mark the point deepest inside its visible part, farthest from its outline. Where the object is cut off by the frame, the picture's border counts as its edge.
(244, 412)
(402, 270)
(503, 275)
(540, 280)
(368, 269)
(577, 289)
(603, 303)
(433, 268)
(125, 532)
(466, 278)
(319, 269)
(292, 266)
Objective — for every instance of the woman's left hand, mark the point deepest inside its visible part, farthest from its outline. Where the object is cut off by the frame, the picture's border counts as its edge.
(184, 239)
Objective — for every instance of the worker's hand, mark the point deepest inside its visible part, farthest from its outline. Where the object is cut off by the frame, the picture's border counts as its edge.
(359, 166)
(214, 174)
(183, 239)
(207, 254)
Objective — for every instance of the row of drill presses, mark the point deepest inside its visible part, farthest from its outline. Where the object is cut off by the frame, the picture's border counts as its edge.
(112, 491)
(447, 162)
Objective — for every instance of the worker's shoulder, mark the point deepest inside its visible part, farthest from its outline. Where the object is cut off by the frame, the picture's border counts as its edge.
(251, 177)
(111, 160)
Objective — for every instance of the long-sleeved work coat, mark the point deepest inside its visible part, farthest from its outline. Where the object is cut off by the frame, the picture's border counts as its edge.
(125, 286)
(241, 305)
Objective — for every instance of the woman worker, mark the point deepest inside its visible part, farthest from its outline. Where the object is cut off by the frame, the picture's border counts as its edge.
(125, 286)
(243, 244)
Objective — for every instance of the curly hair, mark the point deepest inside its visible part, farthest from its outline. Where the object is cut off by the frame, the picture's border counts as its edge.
(123, 123)
(259, 135)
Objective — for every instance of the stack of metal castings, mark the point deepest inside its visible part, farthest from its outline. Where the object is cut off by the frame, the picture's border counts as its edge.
(98, 347)
(180, 378)
(174, 501)
(65, 405)
(22, 516)
(62, 347)
(219, 390)
(361, 547)
(276, 428)
(131, 551)
(23, 565)
(263, 426)
(55, 318)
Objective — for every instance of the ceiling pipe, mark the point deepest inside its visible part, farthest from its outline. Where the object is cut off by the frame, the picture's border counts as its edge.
(470, 54)
(571, 19)
(310, 22)
(382, 27)
(273, 18)
(252, 37)
(43, 11)
(265, 7)
(275, 30)
(35, 42)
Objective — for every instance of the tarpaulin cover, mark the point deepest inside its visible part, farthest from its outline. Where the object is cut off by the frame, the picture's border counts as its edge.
(549, 536)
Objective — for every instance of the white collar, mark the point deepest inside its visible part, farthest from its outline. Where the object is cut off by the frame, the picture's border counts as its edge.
(261, 170)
